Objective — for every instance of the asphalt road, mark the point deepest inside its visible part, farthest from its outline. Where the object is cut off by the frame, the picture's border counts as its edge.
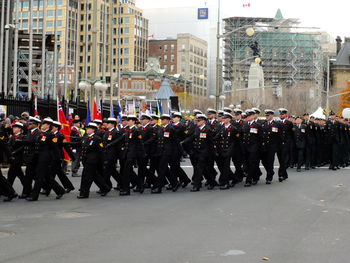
(303, 220)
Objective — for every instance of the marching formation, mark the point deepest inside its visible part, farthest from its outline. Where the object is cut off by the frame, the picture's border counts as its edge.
(132, 154)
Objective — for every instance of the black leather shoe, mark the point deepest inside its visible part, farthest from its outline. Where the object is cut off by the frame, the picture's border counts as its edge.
(248, 184)
(185, 184)
(68, 190)
(225, 187)
(195, 189)
(211, 187)
(103, 193)
(31, 199)
(23, 196)
(156, 191)
(280, 179)
(313, 167)
(47, 193)
(307, 168)
(82, 197)
(58, 197)
(298, 170)
(9, 198)
(124, 193)
(268, 182)
(176, 187)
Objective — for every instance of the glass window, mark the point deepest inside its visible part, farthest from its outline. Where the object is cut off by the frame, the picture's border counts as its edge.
(25, 4)
(25, 15)
(126, 40)
(172, 58)
(172, 47)
(165, 58)
(59, 12)
(59, 23)
(126, 20)
(59, 2)
(126, 30)
(126, 61)
(126, 51)
(51, 3)
(49, 24)
(172, 68)
(50, 13)
(165, 47)
(25, 25)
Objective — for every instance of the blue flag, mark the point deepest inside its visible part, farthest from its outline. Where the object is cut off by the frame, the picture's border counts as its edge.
(119, 110)
(160, 107)
(88, 114)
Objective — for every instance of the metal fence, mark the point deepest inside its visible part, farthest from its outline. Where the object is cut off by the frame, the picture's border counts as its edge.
(48, 107)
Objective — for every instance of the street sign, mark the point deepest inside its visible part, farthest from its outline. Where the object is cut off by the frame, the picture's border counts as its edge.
(203, 13)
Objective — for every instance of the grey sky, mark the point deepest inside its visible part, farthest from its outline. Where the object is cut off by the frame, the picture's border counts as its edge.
(331, 16)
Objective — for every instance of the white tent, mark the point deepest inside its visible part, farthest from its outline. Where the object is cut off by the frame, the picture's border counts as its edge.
(318, 113)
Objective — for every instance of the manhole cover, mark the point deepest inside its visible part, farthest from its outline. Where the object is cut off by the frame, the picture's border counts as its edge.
(4, 234)
(68, 215)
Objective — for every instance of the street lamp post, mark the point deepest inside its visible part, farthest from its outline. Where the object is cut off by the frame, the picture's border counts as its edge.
(249, 31)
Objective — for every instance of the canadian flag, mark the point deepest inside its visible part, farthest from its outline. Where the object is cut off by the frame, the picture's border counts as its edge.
(97, 112)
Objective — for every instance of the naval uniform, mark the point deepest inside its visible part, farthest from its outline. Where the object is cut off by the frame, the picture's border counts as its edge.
(270, 140)
(251, 142)
(91, 156)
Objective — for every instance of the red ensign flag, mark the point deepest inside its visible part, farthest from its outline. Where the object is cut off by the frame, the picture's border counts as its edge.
(65, 128)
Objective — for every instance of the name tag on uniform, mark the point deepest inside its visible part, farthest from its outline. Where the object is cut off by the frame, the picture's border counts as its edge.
(303, 130)
(109, 137)
(43, 138)
(130, 135)
(274, 129)
(167, 134)
(203, 135)
(253, 130)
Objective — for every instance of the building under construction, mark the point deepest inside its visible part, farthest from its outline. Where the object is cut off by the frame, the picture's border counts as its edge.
(291, 70)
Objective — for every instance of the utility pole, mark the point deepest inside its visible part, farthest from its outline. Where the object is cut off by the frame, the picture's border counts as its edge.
(15, 55)
(7, 40)
(76, 67)
(30, 68)
(217, 93)
(66, 49)
(327, 94)
(43, 52)
(2, 25)
(55, 56)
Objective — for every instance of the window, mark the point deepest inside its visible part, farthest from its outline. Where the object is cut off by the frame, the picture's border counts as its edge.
(172, 68)
(59, 23)
(25, 14)
(126, 61)
(81, 48)
(59, 2)
(59, 12)
(126, 40)
(172, 58)
(51, 3)
(183, 47)
(165, 68)
(165, 58)
(160, 47)
(172, 47)
(81, 59)
(165, 47)
(126, 51)
(49, 24)
(126, 30)
(126, 20)
(50, 13)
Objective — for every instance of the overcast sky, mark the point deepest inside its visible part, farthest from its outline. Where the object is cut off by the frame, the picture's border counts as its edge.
(331, 16)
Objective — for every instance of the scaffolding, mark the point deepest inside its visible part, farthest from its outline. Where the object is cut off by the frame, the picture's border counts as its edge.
(23, 64)
(292, 61)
